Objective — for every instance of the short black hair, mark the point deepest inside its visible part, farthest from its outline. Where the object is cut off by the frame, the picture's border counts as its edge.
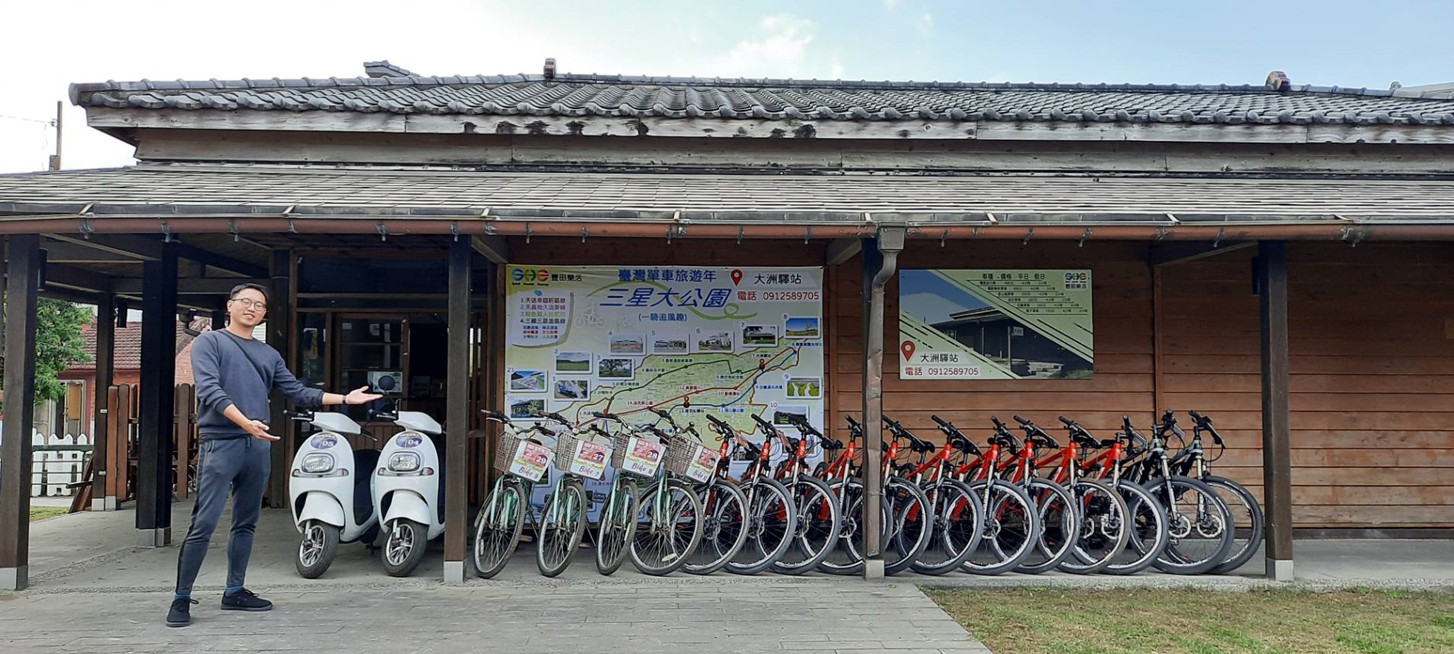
(267, 298)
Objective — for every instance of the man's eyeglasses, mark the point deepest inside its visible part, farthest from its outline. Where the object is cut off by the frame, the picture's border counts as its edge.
(249, 303)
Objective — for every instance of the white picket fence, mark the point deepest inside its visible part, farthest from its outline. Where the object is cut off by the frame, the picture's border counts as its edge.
(57, 460)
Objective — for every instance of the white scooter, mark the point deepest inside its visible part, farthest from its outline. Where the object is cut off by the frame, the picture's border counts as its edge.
(328, 491)
(406, 491)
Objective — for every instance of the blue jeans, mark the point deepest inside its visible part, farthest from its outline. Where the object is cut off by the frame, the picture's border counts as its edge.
(239, 466)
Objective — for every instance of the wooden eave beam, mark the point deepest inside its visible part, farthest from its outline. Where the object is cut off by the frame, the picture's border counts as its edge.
(145, 249)
(1167, 254)
(491, 247)
(843, 249)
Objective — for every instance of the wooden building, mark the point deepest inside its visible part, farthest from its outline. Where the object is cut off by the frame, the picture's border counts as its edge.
(1274, 255)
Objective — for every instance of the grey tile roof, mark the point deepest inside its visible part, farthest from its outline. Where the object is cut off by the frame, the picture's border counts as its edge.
(776, 99)
(263, 191)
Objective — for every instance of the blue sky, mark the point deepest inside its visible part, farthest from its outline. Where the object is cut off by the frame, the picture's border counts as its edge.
(50, 43)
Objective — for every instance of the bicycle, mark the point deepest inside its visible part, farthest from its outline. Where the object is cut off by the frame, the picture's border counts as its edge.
(952, 517)
(563, 518)
(724, 506)
(901, 499)
(1103, 514)
(771, 517)
(1247, 516)
(1149, 532)
(1057, 509)
(819, 519)
(669, 513)
(1197, 518)
(1012, 520)
(522, 461)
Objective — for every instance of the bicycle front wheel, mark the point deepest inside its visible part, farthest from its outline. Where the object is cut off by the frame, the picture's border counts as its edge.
(1104, 527)
(956, 525)
(618, 525)
(1011, 528)
(668, 529)
(1198, 522)
(819, 522)
(772, 519)
(724, 521)
(1148, 530)
(561, 526)
(497, 529)
(1059, 526)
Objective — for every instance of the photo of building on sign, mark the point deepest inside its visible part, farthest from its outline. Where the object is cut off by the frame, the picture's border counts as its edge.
(995, 324)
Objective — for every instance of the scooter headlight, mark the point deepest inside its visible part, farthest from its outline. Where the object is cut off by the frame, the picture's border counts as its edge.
(403, 462)
(317, 463)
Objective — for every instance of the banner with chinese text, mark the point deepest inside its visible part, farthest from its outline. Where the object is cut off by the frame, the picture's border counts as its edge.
(733, 342)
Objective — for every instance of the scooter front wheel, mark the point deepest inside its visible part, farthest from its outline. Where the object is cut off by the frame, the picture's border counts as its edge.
(404, 547)
(316, 549)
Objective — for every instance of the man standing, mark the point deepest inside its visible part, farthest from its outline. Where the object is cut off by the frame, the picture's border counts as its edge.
(234, 374)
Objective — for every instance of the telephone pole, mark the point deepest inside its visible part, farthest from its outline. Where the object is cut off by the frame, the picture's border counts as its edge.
(55, 159)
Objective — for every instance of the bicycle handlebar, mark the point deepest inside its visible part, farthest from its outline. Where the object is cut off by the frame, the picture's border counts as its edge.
(605, 416)
(664, 415)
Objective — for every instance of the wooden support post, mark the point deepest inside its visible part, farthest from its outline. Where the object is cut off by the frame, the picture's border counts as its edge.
(101, 497)
(158, 376)
(456, 427)
(879, 259)
(280, 321)
(183, 418)
(22, 271)
(1276, 440)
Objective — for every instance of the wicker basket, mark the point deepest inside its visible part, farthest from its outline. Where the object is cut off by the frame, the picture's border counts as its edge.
(505, 452)
(565, 449)
(680, 451)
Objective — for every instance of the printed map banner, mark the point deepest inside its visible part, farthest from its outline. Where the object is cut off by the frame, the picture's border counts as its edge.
(733, 342)
(995, 324)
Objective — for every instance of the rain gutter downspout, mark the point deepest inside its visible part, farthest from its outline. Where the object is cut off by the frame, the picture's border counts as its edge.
(880, 262)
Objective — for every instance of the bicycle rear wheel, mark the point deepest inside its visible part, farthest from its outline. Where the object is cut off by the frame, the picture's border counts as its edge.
(668, 529)
(497, 529)
(772, 519)
(1059, 526)
(724, 520)
(819, 523)
(562, 524)
(1247, 521)
(617, 526)
(1011, 528)
(1198, 522)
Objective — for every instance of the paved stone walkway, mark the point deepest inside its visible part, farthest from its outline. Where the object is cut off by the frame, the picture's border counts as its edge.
(727, 615)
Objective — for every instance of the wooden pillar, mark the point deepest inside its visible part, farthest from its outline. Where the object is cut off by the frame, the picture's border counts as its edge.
(22, 275)
(879, 259)
(158, 377)
(1276, 440)
(101, 499)
(280, 321)
(456, 425)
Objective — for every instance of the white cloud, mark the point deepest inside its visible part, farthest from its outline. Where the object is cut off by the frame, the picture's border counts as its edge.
(891, 4)
(781, 50)
(926, 24)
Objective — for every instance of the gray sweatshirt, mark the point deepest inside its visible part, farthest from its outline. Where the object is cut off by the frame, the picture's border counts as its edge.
(225, 377)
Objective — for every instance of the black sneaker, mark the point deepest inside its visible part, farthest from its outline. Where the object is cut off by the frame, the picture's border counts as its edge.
(245, 600)
(180, 614)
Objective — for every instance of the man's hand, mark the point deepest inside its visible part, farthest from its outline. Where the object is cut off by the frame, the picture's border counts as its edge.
(259, 430)
(358, 396)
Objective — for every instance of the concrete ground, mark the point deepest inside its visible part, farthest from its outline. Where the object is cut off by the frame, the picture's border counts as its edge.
(92, 591)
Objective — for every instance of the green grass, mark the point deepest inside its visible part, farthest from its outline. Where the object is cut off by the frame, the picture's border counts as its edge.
(1169, 621)
(43, 512)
